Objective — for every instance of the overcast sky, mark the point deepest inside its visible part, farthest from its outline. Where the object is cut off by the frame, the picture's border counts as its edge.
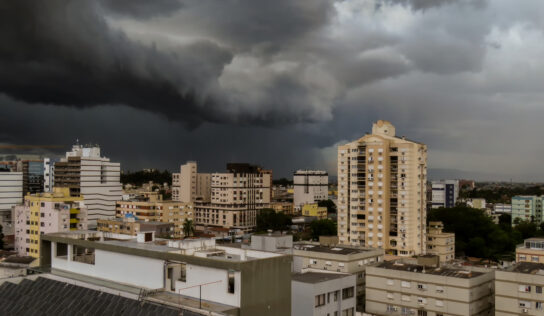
(278, 83)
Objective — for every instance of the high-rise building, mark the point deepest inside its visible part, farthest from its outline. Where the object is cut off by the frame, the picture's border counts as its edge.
(48, 174)
(189, 186)
(85, 172)
(310, 186)
(33, 176)
(527, 208)
(44, 213)
(382, 192)
(444, 193)
(11, 194)
(236, 196)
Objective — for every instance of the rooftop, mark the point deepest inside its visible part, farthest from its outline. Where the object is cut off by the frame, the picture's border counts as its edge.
(316, 277)
(339, 250)
(528, 268)
(446, 271)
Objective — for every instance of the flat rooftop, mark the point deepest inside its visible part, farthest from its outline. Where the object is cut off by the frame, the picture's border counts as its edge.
(446, 271)
(528, 268)
(338, 250)
(204, 248)
(316, 277)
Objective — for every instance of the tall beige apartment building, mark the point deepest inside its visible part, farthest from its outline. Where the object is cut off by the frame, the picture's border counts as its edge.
(189, 186)
(519, 290)
(236, 196)
(381, 192)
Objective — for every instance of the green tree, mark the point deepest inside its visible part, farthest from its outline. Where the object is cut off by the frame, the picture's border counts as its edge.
(527, 229)
(475, 233)
(267, 218)
(188, 228)
(323, 227)
(329, 204)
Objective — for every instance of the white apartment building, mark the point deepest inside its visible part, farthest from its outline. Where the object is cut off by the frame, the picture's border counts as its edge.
(317, 294)
(500, 208)
(398, 288)
(87, 173)
(227, 280)
(236, 196)
(444, 193)
(382, 192)
(440, 243)
(189, 186)
(310, 186)
(519, 290)
(48, 174)
(11, 194)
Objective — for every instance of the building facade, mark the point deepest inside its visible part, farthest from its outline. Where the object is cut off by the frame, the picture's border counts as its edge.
(236, 196)
(532, 250)
(131, 227)
(310, 186)
(48, 174)
(317, 294)
(337, 259)
(189, 186)
(85, 172)
(439, 243)
(444, 193)
(33, 176)
(11, 194)
(527, 208)
(154, 209)
(44, 213)
(519, 290)
(382, 192)
(396, 288)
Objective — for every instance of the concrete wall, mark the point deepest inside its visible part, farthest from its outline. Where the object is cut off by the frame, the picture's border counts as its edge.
(133, 270)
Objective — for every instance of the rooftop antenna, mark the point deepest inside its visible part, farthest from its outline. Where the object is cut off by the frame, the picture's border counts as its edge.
(77, 141)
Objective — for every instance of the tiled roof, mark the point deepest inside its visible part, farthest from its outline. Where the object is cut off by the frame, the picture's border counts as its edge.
(49, 297)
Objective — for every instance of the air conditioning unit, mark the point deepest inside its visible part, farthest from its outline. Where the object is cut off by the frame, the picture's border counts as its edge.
(525, 310)
(395, 308)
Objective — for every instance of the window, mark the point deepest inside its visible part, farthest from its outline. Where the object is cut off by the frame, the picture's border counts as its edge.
(439, 289)
(390, 282)
(231, 281)
(83, 255)
(405, 298)
(439, 303)
(538, 289)
(524, 304)
(336, 295)
(421, 300)
(183, 273)
(421, 313)
(347, 293)
(348, 312)
(538, 305)
(390, 296)
(319, 300)
(534, 259)
(525, 288)
(62, 251)
(313, 261)
(405, 284)
(422, 287)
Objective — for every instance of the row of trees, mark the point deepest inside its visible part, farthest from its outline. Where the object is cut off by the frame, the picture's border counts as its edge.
(138, 178)
(502, 194)
(268, 219)
(476, 234)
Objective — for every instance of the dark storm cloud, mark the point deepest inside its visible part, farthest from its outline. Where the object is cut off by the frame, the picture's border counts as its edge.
(62, 52)
(141, 8)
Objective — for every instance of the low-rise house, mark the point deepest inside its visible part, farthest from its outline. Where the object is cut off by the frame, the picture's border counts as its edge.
(316, 294)
(532, 250)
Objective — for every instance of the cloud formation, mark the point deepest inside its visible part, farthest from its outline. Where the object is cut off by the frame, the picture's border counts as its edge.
(276, 82)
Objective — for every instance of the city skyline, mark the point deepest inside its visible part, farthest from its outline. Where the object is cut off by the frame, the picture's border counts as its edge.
(321, 74)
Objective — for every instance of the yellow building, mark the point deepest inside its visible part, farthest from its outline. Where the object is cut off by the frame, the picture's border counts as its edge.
(532, 250)
(314, 210)
(152, 209)
(440, 243)
(45, 213)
